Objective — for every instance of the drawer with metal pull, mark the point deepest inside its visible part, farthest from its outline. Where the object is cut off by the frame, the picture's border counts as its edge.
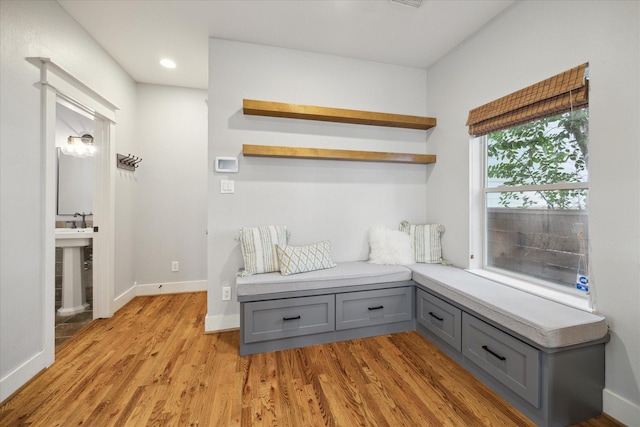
(440, 317)
(283, 318)
(367, 308)
(509, 360)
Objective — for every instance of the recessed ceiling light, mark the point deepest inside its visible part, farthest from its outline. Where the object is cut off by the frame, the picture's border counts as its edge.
(167, 63)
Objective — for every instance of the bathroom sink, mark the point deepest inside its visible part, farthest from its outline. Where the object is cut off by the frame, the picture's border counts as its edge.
(73, 230)
(72, 240)
(73, 237)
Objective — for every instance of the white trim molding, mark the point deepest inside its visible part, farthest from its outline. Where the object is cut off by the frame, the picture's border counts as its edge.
(221, 322)
(15, 379)
(75, 91)
(158, 289)
(57, 83)
(171, 288)
(124, 298)
(627, 412)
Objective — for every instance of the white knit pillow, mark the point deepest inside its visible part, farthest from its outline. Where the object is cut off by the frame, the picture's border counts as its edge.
(426, 241)
(259, 247)
(298, 259)
(390, 247)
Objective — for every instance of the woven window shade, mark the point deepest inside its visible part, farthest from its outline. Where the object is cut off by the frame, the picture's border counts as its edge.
(555, 95)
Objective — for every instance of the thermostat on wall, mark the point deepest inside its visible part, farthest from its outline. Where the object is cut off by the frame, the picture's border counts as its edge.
(226, 164)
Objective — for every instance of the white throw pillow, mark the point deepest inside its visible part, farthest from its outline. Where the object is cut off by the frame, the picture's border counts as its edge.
(390, 247)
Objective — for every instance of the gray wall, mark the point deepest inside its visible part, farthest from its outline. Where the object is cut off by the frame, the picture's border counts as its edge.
(322, 199)
(171, 210)
(315, 199)
(527, 43)
(43, 29)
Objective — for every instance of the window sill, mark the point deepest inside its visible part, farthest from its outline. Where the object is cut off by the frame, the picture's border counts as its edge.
(575, 301)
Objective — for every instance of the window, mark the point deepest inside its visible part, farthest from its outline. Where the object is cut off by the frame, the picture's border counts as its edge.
(536, 199)
(534, 193)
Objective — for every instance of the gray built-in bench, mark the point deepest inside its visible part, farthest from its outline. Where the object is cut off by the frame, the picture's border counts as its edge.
(545, 358)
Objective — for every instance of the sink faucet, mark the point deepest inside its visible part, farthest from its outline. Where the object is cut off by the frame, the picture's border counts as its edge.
(83, 215)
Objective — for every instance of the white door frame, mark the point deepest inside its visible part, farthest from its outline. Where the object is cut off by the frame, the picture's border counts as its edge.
(58, 83)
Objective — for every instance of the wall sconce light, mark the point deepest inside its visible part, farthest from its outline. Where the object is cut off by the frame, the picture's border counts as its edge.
(79, 146)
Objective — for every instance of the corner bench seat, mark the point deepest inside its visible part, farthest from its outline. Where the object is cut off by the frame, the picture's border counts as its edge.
(543, 357)
(545, 322)
(346, 274)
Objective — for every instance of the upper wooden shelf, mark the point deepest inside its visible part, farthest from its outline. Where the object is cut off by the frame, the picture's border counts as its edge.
(330, 154)
(340, 115)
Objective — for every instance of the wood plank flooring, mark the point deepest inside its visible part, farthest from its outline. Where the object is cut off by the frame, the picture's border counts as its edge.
(151, 364)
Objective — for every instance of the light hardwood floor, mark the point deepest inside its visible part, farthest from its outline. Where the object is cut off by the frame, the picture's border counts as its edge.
(151, 364)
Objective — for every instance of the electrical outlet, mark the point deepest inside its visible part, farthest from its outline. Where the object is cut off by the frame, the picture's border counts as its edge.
(226, 293)
(175, 266)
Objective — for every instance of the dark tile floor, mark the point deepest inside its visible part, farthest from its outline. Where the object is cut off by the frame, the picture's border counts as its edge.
(66, 326)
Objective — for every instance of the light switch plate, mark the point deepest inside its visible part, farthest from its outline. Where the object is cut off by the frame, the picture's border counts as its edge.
(227, 186)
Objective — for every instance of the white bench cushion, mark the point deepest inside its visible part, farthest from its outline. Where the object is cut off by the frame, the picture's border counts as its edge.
(344, 274)
(545, 322)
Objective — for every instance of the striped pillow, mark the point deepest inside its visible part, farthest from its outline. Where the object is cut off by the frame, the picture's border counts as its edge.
(259, 248)
(426, 241)
(299, 259)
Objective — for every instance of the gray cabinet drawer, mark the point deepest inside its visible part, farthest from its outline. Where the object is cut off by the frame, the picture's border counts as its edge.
(509, 360)
(367, 308)
(440, 317)
(268, 320)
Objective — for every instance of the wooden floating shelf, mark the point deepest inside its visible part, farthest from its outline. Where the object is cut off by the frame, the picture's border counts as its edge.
(340, 115)
(329, 154)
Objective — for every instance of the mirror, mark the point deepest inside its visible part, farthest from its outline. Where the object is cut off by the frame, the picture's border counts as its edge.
(75, 184)
(75, 174)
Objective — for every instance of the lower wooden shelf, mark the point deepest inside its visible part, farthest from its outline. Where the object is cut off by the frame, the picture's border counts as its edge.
(330, 154)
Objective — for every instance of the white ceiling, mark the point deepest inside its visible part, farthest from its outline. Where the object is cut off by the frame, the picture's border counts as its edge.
(138, 33)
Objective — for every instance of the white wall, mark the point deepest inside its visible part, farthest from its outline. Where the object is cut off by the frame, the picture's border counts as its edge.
(44, 29)
(527, 43)
(315, 199)
(171, 210)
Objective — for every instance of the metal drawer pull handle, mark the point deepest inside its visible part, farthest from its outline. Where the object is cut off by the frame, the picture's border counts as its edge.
(436, 317)
(484, 347)
(380, 307)
(291, 318)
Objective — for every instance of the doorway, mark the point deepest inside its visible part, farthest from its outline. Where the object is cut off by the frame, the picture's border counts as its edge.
(74, 217)
(58, 86)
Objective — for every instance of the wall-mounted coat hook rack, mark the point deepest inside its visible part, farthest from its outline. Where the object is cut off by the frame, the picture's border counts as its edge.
(128, 162)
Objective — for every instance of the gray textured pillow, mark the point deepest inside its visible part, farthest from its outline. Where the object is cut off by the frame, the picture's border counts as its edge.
(259, 247)
(298, 259)
(426, 241)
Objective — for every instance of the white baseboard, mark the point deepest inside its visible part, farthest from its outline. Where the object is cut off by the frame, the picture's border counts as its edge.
(171, 288)
(158, 289)
(621, 409)
(122, 299)
(22, 374)
(221, 322)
